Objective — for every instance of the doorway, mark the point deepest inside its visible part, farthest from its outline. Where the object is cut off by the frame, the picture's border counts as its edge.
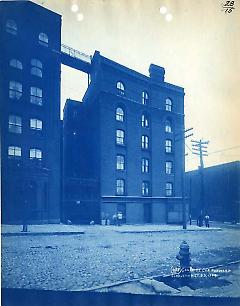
(147, 213)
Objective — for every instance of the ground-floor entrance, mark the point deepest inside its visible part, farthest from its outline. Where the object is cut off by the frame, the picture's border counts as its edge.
(142, 210)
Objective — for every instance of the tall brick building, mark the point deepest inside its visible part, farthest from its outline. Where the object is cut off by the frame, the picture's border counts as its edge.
(121, 144)
(30, 42)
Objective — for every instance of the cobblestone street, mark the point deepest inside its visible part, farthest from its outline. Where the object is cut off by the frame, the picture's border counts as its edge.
(108, 254)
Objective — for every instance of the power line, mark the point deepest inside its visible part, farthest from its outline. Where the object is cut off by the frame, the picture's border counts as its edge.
(223, 150)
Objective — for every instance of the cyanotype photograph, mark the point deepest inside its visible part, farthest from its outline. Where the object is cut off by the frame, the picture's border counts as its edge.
(120, 152)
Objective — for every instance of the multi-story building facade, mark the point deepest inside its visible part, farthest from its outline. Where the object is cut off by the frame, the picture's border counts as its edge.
(126, 136)
(30, 40)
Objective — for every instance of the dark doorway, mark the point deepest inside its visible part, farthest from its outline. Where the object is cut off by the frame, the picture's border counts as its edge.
(147, 212)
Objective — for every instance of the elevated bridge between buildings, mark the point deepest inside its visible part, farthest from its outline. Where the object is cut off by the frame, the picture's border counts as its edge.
(75, 59)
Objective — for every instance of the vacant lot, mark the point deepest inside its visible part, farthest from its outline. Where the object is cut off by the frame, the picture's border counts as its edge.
(103, 256)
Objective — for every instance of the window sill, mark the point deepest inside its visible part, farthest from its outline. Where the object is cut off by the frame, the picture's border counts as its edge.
(120, 145)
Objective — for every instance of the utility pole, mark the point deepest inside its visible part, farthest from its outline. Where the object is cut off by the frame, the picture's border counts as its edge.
(183, 136)
(200, 148)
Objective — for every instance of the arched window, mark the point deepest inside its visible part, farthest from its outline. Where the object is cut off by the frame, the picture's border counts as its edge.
(145, 98)
(168, 126)
(35, 153)
(15, 64)
(36, 68)
(43, 39)
(145, 120)
(168, 105)
(120, 88)
(119, 114)
(11, 27)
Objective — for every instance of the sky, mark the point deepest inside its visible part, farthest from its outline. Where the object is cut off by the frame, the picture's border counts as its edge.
(196, 42)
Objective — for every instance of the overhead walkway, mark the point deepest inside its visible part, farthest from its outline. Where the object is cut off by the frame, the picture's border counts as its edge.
(75, 59)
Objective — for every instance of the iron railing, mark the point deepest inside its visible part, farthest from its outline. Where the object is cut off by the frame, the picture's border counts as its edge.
(76, 54)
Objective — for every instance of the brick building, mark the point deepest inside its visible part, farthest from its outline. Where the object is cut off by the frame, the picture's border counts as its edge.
(30, 40)
(121, 142)
(221, 192)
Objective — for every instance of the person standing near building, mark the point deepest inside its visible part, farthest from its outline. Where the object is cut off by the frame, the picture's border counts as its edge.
(114, 218)
(25, 216)
(119, 218)
(207, 219)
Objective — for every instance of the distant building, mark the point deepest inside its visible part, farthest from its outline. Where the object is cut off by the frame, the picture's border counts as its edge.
(122, 147)
(221, 192)
(30, 41)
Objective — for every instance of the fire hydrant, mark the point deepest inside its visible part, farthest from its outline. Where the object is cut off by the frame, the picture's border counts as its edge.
(184, 257)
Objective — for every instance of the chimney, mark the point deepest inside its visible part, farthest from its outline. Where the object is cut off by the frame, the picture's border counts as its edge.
(156, 73)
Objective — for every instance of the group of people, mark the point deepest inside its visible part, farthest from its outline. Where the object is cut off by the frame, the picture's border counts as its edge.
(201, 219)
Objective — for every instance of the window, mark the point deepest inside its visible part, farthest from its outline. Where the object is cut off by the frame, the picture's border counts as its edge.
(14, 152)
(169, 189)
(145, 142)
(36, 68)
(145, 98)
(168, 126)
(35, 153)
(168, 105)
(36, 95)
(119, 114)
(120, 187)
(168, 146)
(74, 114)
(145, 121)
(145, 165)
(169, 167)
(43, 39)
(36, 124)
(15, 64)
(145, 189)
(120, 88)
(120, 137)
(15, 90)
(120, 162)
(11, 27)
(15, 124)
